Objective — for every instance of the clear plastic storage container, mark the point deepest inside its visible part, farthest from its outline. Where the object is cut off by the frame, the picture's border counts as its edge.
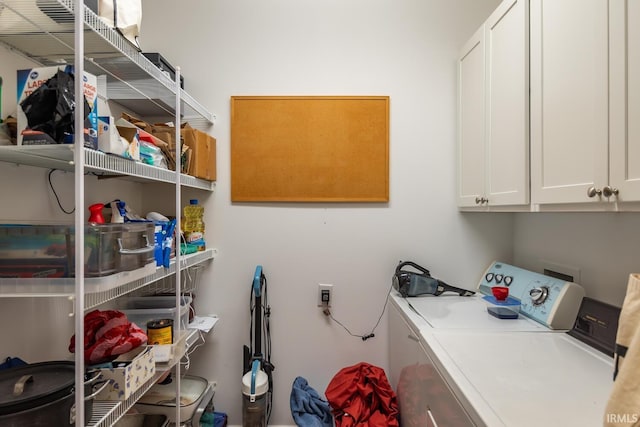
(502, 309)
(141, 310)
(161, 399)
(36, 251)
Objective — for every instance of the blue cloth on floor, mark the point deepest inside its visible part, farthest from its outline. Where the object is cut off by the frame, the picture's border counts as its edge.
(307, 407)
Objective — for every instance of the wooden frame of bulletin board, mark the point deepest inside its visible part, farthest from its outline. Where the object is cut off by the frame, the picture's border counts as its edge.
(310, 148)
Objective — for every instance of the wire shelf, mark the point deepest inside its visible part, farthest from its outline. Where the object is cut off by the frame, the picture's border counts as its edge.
(107, 413)
(188, 279)
(42, 31)
(102, 289)
(60, 156)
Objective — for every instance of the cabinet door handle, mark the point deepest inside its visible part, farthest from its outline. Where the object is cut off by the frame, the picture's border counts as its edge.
(413, 338)
(593, 192)
(608, 191)
(481, 200)
(430, 415)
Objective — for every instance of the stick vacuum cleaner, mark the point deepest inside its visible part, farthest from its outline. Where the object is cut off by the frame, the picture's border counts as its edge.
(257, 381)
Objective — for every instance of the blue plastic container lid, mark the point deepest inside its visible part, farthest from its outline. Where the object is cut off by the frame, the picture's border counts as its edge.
(509, 302)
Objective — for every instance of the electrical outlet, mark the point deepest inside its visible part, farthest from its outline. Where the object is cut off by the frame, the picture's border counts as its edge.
(325, 295)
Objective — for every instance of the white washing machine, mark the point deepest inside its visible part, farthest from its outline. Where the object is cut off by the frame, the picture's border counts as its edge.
(468, 368)
(546, 303)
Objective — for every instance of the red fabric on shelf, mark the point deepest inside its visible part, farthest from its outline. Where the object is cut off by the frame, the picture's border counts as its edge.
(360, 395)
(108, 334)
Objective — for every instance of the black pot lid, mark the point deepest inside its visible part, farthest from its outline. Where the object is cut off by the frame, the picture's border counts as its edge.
(45, 382)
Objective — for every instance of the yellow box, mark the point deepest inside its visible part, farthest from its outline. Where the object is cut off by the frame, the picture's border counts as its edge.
(138, 367)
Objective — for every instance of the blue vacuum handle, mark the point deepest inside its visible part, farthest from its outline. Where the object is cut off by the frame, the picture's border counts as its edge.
(255, 367)
(256, 280)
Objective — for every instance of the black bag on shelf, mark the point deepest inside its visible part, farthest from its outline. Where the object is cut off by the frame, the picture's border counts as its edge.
(50, 108)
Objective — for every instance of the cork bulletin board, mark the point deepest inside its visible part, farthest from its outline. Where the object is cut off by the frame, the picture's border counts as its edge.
(310, 148)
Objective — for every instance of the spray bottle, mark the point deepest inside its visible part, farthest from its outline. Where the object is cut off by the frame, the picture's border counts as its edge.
(95, 211)
(118, 211)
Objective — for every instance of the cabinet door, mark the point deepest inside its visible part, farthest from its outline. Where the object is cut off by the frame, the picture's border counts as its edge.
(424, 398)
(441, 406)
(569, 99)
(471, 121)
(403, 362)
(624, 143)
(403, 346)
(507, 104)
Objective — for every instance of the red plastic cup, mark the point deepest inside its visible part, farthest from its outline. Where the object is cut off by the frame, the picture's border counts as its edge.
(500, 292)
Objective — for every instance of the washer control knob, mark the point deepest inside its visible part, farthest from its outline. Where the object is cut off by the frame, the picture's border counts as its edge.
(508, 280)
(539, 295)
(499, 278)
(489, 277)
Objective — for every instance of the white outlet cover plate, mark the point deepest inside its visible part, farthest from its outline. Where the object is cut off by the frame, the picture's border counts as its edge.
(322, 287)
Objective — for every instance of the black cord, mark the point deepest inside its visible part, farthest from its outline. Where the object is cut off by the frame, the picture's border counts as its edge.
(251, 310)
(327, 312)
(56, 194)
(267, 366)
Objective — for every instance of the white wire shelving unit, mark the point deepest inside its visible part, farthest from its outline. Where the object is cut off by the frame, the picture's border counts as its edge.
(45, 32)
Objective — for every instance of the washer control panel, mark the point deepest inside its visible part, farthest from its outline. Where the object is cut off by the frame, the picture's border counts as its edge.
(545, 299)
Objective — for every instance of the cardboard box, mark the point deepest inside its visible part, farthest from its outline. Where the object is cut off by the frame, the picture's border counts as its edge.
(202, 163)
(31, 79)
(139, 366)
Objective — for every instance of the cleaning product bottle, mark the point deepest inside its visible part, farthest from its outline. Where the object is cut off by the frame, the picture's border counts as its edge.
(193, 225)
(95, 211)
(118, 211)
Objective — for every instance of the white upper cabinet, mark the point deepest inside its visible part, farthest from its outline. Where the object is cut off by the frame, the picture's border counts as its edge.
(624, 87)
(507, 41)
(548, 93)
(493, 164)
(583, 57)
(471, 121)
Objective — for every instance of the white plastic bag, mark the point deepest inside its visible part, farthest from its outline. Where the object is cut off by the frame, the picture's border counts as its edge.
(124, 15)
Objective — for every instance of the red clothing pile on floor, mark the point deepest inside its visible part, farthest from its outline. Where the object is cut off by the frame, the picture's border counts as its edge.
(360, 395)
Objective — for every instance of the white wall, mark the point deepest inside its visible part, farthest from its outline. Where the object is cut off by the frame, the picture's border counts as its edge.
(406, 49)
(604, 247)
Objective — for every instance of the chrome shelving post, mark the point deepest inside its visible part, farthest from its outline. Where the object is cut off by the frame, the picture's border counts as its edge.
(178, 227)
(78, 140)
